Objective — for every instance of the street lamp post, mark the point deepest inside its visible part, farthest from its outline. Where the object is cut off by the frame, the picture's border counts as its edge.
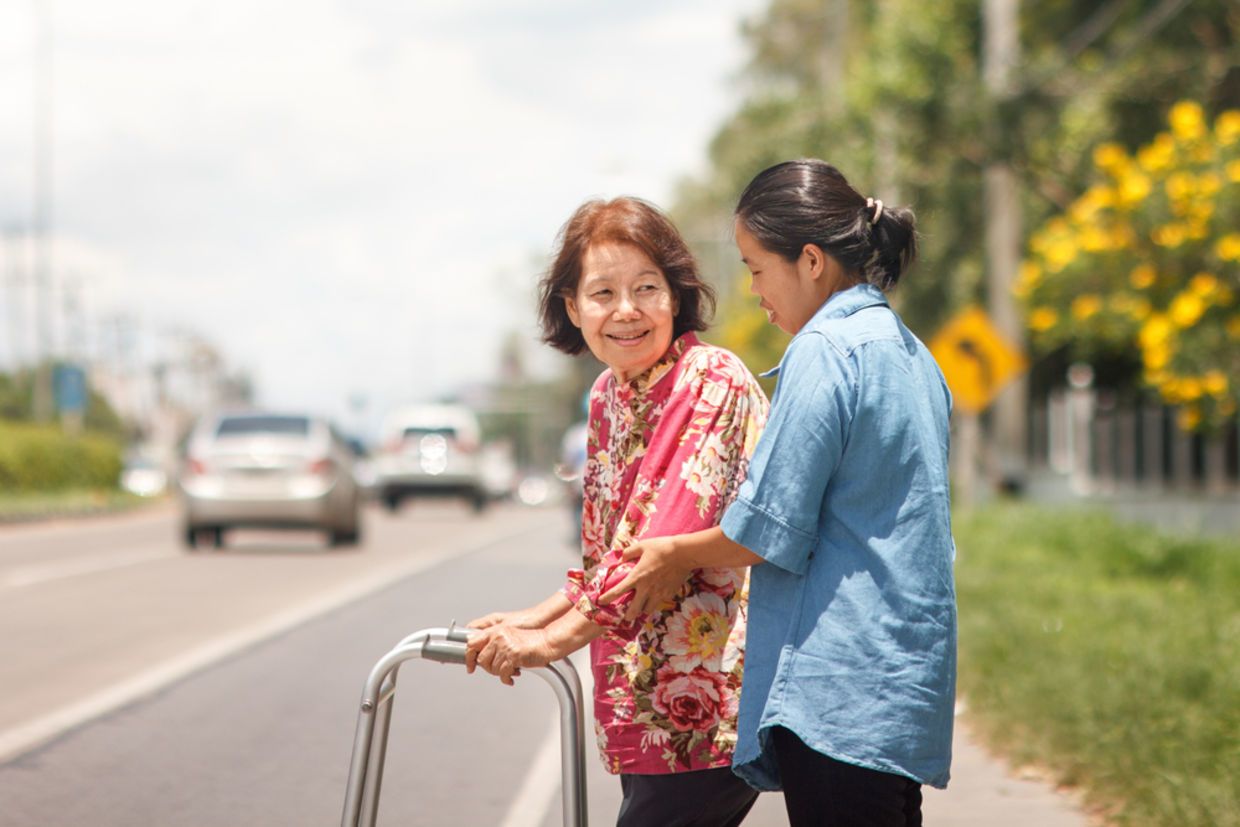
(41, 225)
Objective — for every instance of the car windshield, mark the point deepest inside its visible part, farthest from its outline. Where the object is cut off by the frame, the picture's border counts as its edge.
(415, 433)
(263, 424)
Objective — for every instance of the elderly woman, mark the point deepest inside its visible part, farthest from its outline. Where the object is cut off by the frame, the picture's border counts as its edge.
(672, 424)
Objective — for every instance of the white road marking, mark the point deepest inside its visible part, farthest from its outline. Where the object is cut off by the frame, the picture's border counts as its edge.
(535, 798)
(32, 575)
(23, 738)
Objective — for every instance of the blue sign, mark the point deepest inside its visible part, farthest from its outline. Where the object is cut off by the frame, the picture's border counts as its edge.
(69, 387)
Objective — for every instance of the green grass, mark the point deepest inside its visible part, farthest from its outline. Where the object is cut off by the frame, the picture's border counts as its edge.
(18, 507)
(1108, 654)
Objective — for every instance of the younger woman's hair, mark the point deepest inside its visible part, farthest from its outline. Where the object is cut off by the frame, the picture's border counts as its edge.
(624, 220)
(809, 201)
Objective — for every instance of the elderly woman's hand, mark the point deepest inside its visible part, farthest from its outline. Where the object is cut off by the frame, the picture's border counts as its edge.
(655, 580)
(503, 650)
(521, 620)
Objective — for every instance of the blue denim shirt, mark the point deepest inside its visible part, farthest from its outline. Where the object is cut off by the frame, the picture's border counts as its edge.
(852, 618)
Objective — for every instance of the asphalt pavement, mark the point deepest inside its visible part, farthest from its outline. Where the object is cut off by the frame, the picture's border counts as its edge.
(222, 688)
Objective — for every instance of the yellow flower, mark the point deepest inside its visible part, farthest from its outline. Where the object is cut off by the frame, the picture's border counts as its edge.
(1215, 382)
(1179, 186)
(1029, 278)
(1227, 127)
(1187, 120)
(1186, 309)
(1204, 285)
(1094, 240)
(1110, 156)
(1142, 276)
(1042, 318)
(1233, 171)
(1189, 417)
(1060, 253)
(1228, 247)
(1157, 330)
(1208, 184)
(1157, 156)
(1156, 358)
(1169, 235)
(1133, 188)
(1083, 307)
(1191, 388)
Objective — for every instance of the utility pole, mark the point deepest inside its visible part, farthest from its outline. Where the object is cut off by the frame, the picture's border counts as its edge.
(1001, 59)
(832, 56)
(41, 225)
(15, 248)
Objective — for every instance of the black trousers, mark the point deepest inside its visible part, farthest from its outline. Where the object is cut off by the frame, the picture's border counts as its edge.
(822, 792)
(704, 798)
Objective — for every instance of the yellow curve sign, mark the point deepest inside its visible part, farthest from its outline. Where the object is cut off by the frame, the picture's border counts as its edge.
(976, 360)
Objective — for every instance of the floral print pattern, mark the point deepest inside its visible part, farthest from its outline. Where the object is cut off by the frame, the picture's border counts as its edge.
(667, 453)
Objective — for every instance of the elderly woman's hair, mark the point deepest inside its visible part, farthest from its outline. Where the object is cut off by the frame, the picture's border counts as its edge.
(809, 201)
(623, 220)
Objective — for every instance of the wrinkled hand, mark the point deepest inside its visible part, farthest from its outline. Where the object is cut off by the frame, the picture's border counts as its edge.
(521, 620)
(654, 581)
(503, 650)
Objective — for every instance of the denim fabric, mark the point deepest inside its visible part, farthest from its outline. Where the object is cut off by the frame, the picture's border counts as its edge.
(852, 619)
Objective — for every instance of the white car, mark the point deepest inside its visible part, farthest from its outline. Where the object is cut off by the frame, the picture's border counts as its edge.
(268, 470)
(430, 451)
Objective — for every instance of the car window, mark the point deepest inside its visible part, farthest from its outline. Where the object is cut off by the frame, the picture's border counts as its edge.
(415, 433)
(263, 424)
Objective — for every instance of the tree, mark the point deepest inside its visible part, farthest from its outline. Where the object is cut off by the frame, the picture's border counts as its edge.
(916, 126)
(1146, 262)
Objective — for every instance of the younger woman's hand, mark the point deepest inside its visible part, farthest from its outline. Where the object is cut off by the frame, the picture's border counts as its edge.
(655, 580)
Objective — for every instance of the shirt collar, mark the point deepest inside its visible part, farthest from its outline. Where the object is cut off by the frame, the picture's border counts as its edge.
(839, 305)
(641, 384)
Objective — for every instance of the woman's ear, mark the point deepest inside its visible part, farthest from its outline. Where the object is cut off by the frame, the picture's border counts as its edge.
(570, 306)
(813, 261)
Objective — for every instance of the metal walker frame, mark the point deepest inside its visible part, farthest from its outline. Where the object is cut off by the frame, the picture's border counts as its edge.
(361, 803)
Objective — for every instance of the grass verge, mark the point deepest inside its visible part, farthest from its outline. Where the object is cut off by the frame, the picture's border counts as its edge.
(23, 507)
(1108, 653)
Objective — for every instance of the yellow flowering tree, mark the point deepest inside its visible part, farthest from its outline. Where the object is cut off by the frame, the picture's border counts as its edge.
(1147, 262)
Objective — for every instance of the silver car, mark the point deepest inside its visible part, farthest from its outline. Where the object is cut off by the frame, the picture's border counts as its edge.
(268, 470)
(431, 450)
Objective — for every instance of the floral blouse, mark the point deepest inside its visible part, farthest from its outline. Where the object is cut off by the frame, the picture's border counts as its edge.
(667, 453)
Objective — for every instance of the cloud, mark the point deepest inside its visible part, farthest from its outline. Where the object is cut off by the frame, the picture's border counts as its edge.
(350, 197)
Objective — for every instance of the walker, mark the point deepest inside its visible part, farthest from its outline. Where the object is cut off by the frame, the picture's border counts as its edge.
(361, 803)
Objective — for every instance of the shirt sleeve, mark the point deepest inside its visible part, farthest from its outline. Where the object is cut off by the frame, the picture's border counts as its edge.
(777, 512)
(700, 450)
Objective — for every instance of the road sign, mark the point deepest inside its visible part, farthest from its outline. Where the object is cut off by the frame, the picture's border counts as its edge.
(69, 385)
(976, 359)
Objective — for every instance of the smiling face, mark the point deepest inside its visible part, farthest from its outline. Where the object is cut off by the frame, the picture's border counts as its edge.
(790, 291)
(624, 307)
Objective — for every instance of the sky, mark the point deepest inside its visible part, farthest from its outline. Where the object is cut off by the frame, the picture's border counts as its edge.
(348, 199)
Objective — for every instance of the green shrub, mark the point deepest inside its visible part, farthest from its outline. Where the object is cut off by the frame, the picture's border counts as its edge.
(41, 458)
(1109, 654)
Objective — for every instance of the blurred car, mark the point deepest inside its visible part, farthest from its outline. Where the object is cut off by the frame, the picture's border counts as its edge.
(430, 450)
(269, 470)
(363, 466)
(143, 476)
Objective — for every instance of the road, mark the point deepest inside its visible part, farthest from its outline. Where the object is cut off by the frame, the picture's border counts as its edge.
(143, 684)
